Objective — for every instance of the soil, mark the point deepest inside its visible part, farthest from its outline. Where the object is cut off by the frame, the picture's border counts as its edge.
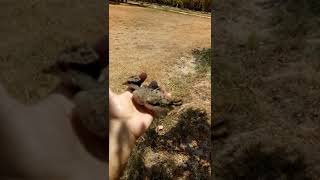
(266, 92)
(151, 40)
(34, 33)
(160, 43)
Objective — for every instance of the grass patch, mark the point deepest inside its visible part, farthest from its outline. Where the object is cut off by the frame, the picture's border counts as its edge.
(163, 170)
(180, 86)
(135, 165)
(203, 59)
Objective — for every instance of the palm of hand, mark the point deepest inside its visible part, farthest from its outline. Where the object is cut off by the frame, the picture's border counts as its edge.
(122, 108)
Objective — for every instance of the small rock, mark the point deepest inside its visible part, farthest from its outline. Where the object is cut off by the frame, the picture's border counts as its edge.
(187, 173)
(160, 128)
(197, 158)
(204, 163)
(183, 147)
(193, 144)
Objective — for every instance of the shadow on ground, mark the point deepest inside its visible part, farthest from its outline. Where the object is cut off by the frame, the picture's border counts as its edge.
(190, 137)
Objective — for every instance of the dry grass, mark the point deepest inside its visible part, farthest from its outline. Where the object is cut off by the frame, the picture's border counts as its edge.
(33, 34)
(266, 88)
(163, 49)
(139, 43)
(168, 154)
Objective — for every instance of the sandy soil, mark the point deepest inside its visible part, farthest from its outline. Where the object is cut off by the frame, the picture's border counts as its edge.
(33, 33)
(150, 40)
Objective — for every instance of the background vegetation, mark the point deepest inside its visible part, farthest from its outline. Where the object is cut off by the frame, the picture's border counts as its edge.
(197, 5)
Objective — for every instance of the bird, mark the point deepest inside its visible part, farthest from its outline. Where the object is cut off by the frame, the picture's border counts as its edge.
(135, 81)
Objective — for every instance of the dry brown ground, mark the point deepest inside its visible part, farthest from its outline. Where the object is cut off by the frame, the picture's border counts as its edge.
(33, 33)
(160, 43)
(267, 84)
(150, 40)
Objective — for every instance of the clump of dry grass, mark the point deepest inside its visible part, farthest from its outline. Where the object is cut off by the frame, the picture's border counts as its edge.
(203, 59)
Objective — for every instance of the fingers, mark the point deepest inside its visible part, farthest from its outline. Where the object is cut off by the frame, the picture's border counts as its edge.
(113, 95)
(130, 90)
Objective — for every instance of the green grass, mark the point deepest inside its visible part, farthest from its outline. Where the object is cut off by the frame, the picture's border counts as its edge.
(203, 59)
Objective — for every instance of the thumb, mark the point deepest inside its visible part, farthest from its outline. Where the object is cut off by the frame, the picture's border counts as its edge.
(112, 103)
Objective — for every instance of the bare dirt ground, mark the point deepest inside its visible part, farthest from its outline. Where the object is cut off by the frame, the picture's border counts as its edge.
(160, 43)
(150, 40)
(32, 35)
(267, 90)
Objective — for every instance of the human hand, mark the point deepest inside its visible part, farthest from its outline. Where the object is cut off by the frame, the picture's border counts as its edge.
(122, 108)
(38, 140)
(127, 122)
